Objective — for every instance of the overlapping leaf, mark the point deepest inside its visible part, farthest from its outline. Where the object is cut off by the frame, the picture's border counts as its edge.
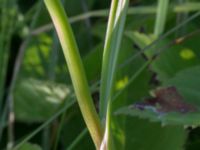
(184, 110)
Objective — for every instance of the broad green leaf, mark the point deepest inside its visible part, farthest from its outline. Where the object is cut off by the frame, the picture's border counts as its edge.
(188, 85)
(143, 135)
(170, 118)
(122, 78)
(36, 101)
(135, 89)
(171, 59)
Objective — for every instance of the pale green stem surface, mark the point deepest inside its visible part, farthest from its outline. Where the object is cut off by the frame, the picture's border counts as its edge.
(114, 34)
(76, 69)
(106, 74)
(161, 17)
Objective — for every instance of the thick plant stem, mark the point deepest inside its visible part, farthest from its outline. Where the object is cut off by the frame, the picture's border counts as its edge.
(76, 69)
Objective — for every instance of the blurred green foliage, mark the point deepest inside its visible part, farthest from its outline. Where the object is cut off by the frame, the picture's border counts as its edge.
(43, 84)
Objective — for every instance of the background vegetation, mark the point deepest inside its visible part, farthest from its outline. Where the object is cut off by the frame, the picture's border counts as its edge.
(159, 48)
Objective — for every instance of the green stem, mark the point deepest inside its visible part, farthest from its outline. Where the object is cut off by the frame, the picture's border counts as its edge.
(76, 69)
(111, 51)
(114, 34)
(107, 74)
(161, 16)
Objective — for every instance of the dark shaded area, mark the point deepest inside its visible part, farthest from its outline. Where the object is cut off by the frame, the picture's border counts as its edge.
(26, 5)
(193, 141)
(21, 131)
(15, 45)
